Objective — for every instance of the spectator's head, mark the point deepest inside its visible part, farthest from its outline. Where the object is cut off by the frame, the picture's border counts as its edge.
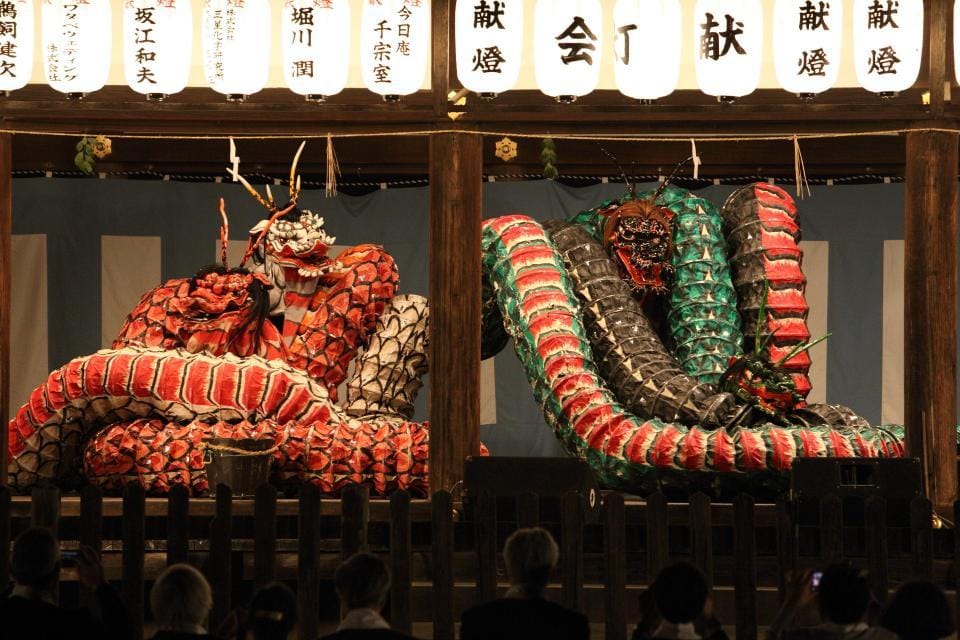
(272, 613)
(680, 592)
(181, 599)
(919, 611)
(362, 582)
(36, 559)
(843, 595)
(530, 554)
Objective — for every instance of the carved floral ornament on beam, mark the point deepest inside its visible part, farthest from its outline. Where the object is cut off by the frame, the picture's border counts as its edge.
(643, 40)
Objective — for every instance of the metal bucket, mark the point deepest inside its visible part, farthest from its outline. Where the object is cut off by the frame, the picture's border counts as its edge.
(241, 464)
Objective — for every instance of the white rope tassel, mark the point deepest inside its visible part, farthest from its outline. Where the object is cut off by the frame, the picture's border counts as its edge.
(696, 159)
(799, 170)
(333, 169)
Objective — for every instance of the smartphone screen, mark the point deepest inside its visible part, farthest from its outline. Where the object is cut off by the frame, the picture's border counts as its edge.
(69, 558)
(815, 580)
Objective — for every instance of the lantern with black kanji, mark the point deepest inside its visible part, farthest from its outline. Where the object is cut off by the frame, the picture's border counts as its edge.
(316, 46)
(394, 46)
(489, 36)
(16, 44)
(156, 55)
(236, 46)
(728, 41)
(568, 46)
(887, 44)
(807, 41)
(647, 36)
(76, 45)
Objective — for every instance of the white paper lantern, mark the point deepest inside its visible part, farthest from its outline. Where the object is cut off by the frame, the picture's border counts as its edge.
(156, 55)
(489, 36)
(807, 42)
(887, 42)
(647, 35)
(316, 46)
(236, 46)
(16, 44)
(728, 41)
(394, 46)
(76, 45)
(568, 43)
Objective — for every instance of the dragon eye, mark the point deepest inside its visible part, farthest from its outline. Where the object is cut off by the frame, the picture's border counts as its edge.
(627, 234)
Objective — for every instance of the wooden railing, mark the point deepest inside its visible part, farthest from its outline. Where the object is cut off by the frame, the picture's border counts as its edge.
(445, 555)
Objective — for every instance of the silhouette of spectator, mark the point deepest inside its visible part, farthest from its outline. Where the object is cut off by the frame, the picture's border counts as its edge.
(181, 601)
(919, 611)
(678, 605)
(29, 610)
(530, 555)
(362, 584)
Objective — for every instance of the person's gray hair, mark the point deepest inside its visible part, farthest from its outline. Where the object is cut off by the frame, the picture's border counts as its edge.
(531, 554)
(181, 599)
(362, 582)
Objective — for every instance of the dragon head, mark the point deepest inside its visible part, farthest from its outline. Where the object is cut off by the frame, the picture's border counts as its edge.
(638, 236)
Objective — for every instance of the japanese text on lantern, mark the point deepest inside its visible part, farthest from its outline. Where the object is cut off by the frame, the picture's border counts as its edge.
(716, 44)
(62, 57)
(145, 44)
(488, 16)
(883, 16)
(577, 42)
(394, 35)
(813, 17)
(9, 42)
(300, 23)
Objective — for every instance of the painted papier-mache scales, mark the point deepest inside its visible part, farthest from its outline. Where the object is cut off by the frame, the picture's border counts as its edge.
(627, 320)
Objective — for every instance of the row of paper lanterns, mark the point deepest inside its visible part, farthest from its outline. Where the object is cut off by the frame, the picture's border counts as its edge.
(571, 39)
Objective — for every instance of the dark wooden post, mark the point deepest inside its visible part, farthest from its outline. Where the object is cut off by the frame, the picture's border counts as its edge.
(456, 172)
(6, 260)
(178, 525)
(400, 560)
(133, 556)
(442, 555)
(930, 309)
(91, 530)
(308, 564)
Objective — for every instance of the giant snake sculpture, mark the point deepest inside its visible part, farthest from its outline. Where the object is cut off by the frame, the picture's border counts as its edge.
(626, 319)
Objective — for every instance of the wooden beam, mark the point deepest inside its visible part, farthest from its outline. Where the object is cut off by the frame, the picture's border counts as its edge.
(456, 168)
(6, 250)
(930, 309)
(938, 15)
(441, 58)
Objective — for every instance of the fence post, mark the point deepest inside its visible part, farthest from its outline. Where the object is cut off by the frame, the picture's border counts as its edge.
(528, 510)
(956, 558)
(745, 572)
(221, 549)
(178, 525)
(355, 514)
(308, 567)
(875, 512)
(615, 549)
(831, 529)
(45, 508)
(265, 535)
(921, 537)
(486, 537)
(658, 535)
(5, 532)
(786, 544)
(442, 541)
(91, 528)
(701, 535)
(134, 547)
(401, 549)
(571, 550)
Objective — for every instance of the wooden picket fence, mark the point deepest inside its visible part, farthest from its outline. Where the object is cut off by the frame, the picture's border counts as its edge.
(445, 555)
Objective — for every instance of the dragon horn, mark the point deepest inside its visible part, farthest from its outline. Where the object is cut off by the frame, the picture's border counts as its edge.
(270, 195)
(246, 185)
(251, 247)
(294, 180)
(224, 234)
(800, 348)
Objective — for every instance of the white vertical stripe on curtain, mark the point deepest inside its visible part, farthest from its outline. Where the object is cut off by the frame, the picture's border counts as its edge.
(816, 267)
(28, 331)
(891, 399)
(129, 267)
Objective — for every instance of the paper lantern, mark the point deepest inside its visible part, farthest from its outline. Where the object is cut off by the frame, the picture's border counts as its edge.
(807, 42)
(887, 42)
(16, 44)
(489, 36)
(728, 36)
(394, 46)
(647, 35)
(156, 55)
(567, 41)
(316, 46)
(236, 46)
(76, 45)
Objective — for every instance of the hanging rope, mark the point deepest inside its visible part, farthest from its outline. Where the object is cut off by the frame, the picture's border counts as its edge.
(333, 169)
(799, 170)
